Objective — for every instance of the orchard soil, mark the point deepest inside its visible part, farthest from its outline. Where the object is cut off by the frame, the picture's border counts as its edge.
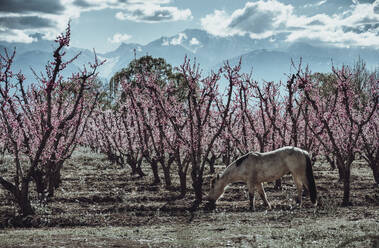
(102, 205)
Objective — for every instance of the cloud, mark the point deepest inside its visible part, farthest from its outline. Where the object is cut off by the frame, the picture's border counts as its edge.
(165, 42)
(20, 18)
(27, 22)
(15, 36)
(154, 13)
(119, 38)
(27, 6)
(258, 19)
(82, 3)
(194, 42)
(313, 5)
(217, 24)
(356, 26)
(321, 2)
(179, 39)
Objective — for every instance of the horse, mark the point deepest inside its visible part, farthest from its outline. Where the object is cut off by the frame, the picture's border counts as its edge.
(254, 168)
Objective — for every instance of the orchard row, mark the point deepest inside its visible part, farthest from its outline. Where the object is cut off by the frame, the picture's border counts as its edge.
(189, 122)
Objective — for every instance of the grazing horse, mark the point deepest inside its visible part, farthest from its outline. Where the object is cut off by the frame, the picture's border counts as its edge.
(255, 168)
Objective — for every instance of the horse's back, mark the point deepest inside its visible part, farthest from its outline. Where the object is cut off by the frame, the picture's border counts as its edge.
(295, 159)
(289, 157)
(268, 166)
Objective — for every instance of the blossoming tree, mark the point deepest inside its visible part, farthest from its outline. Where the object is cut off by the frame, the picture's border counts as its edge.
(42, 122)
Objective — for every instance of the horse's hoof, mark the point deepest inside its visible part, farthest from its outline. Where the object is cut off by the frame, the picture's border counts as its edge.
(210, 206)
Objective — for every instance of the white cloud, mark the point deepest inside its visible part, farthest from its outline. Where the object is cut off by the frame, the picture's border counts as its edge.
(357, 26)
(15, 36)
(313, 5)
(194, 42)
(151, 13)
(118, 38)
(258, 19)
(48, 21)
(165, 42)
(58, 13)
(119, 15)
(179, 39)
(321, 2)
(217, 23)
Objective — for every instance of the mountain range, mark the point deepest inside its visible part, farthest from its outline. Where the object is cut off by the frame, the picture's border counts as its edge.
(269, 59)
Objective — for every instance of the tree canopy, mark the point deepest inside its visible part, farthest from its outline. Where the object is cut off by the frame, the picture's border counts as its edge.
(145, 67)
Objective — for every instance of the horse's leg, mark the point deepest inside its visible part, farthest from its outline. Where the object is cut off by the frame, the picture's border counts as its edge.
(262, 193)
(251, 188)
(299, 186)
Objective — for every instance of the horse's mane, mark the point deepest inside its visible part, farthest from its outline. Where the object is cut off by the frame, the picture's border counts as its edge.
(239, 161)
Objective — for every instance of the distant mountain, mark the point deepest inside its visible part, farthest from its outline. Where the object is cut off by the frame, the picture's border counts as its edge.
(338, 55)
(274, 65)
(270, 59)
(268, 65)
(34, 56)
(208, 50)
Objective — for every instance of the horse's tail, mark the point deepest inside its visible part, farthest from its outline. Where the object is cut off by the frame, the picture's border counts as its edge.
(311, 181)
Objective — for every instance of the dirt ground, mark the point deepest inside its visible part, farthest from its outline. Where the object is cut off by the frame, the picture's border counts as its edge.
(101, 205)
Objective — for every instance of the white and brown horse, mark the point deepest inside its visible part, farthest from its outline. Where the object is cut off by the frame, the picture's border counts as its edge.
(256, 168)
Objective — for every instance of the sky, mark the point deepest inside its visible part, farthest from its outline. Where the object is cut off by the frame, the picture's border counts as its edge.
(105, 24)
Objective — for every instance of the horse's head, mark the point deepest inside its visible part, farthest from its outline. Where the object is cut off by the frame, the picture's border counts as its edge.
(216, 189)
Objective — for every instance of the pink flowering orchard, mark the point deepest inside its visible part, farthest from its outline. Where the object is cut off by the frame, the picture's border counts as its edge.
(112, 132)
(339, 120)
(206, 127)
(369, 142)
(43, 121)
(186, 124)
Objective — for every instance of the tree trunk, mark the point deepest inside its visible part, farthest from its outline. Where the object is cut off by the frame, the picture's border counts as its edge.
(54, 181)
(23, 199)
(372, 158)
(182, 172)
(212, 162)
(47, 179)
(331, 162)
(375, 170)
(154, 167)
(278, 184)
(38, 178)
(183, 183)
(135, 165)
(114, 159)
(166, 170)
(341, 172)
(139, 171)
(346, 185)
(197, 184)
(226, 159)
(167, 176)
